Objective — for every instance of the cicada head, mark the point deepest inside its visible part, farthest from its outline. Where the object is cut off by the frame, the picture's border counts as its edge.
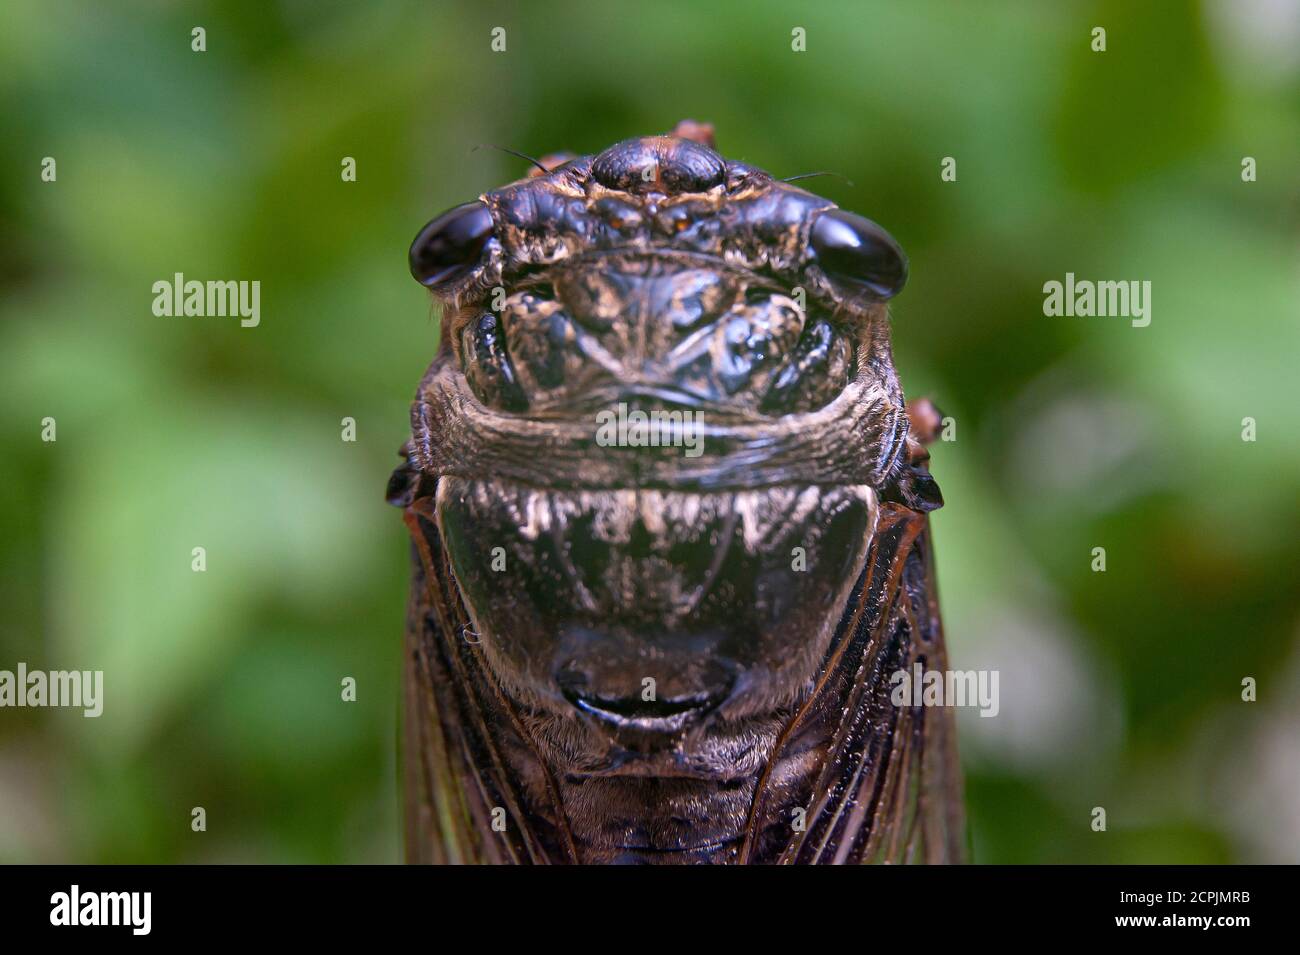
(658, 271)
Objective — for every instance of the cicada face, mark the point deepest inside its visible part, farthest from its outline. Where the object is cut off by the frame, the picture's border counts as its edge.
(651, 453)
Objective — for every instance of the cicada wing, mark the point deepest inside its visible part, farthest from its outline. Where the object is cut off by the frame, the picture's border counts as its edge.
(890, 787)
(440, 821)
(424, 769)
(464, 803)
(919, 815)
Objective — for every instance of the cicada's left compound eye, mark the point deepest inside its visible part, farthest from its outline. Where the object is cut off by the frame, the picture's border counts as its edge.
(857, 253)
(452, 244)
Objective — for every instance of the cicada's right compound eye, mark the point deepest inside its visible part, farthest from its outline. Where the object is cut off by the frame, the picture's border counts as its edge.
(859, 255)
(451, 245)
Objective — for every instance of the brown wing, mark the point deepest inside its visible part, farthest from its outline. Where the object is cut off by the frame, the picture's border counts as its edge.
(444, 824)
(462, 806)
(890, 787)
(908, 807)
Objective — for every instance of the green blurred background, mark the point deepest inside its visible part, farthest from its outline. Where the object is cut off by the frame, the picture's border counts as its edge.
(1118, 689)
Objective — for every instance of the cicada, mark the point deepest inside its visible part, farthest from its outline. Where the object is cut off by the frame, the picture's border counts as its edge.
(669, 516)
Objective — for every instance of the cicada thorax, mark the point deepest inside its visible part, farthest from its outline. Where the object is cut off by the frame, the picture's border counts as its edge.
(670, 540)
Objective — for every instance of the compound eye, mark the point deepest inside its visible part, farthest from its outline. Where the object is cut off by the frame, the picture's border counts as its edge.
(452, 244)
(857, 253)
